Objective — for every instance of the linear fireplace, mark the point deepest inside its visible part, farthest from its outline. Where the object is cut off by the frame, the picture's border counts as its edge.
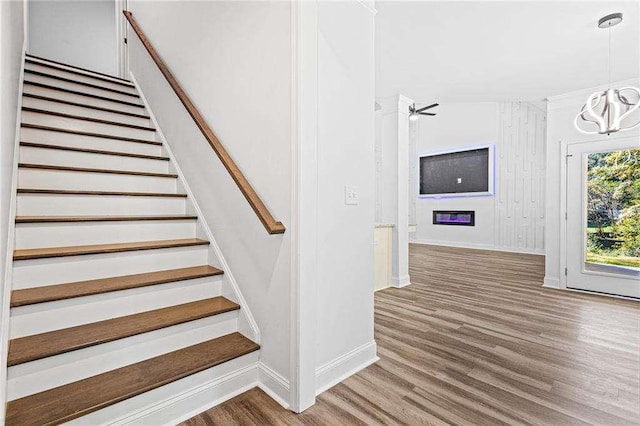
(460, 217)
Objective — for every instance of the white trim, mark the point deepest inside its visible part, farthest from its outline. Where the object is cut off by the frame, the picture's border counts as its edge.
(562, 279)
(245, 311)
(8, 261)
(476, 246)
(400, 282)
(25, 17)
(564, 150)
(595, 293)
(273, 384)
(551, 282)
(196, 400)
(304, 201)
(229, 386)
(334, 372)
(564, 199)
(121, 34)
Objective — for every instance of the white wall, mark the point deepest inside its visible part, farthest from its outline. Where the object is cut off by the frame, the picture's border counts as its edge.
(562, 110)
(234, 60)
(12, 38)
(344, 333)
(512, 219)
(79, 33)
(11, 49)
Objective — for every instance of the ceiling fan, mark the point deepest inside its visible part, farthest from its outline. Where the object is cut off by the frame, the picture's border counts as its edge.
(414, 113)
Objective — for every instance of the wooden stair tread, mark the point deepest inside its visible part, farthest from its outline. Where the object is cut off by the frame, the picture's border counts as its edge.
(84, 118)
(91, 170)
(30, 58)
(80, 82)
(38, 346)
(46, 252)
(30, 296)
(76, 399)
(80, 93)
(81, 133)
(87, 95)
(92, 151)
(107, 193)
(97, 108)
(128, 218)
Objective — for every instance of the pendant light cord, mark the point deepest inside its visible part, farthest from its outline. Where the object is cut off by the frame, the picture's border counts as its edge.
(609, 55)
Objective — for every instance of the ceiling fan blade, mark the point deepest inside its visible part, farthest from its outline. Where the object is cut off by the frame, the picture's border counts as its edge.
(427, 107)
(426, 113)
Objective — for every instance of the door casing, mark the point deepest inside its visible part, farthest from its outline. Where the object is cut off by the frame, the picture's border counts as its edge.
(564, 180)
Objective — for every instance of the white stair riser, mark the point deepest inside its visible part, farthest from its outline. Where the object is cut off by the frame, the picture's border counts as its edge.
(91, 142)
(80, 88)
(56, 179)
(42, 119)
(64, 67)
(86, 205)
(45, 317)
(84, 112)
(40, 272)
(169, 404)
(44, 374)
(34, 235)
(77, 77)
(36, 155)
(86, 100)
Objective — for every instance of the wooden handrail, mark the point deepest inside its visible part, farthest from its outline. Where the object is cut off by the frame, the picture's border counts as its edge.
(272, 226)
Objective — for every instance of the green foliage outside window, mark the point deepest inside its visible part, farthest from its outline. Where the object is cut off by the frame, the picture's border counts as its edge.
(613, 199)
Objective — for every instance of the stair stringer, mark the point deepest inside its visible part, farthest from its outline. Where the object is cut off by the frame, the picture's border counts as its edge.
(7, 279)
(247, 324)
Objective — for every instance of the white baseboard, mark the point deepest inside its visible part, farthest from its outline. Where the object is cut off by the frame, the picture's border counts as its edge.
(182, 403)
(185, 405)
(551, 282)
(400, 282)
(274, 385)
(344, 366)
(191, 403)
(477, 246)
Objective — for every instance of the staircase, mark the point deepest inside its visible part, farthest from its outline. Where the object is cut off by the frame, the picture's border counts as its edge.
(114, 303)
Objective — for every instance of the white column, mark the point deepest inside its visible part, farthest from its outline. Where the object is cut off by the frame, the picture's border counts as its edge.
(400, 260)
(393, 195)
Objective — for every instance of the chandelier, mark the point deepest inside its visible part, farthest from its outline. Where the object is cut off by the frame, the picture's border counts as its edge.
(607, 111)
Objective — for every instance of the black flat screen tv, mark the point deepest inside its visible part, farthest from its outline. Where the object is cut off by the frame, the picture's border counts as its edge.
(459, 173)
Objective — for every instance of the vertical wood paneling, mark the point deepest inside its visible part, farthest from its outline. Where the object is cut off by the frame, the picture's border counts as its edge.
(520, 169)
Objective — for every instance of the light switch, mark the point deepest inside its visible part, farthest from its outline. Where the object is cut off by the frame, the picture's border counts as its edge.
(459, 180)
(350, 195)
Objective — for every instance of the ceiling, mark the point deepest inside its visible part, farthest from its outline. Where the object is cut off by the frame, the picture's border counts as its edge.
(473, 51)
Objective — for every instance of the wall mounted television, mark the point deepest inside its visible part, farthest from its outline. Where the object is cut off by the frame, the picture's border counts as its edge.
(457, 173)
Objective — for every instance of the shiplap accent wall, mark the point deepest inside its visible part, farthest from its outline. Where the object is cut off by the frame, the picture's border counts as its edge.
(520, 175)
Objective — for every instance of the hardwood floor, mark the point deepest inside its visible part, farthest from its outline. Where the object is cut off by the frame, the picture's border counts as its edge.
(476, 340)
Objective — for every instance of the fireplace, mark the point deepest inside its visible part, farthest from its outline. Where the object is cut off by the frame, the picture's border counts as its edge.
(458, 218)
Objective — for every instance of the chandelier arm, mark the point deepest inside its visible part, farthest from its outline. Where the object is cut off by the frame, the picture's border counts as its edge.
(632, 109)
(586, 132)
(593, 102)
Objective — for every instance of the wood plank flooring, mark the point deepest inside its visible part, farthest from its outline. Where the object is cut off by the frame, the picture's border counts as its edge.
(476, 340)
